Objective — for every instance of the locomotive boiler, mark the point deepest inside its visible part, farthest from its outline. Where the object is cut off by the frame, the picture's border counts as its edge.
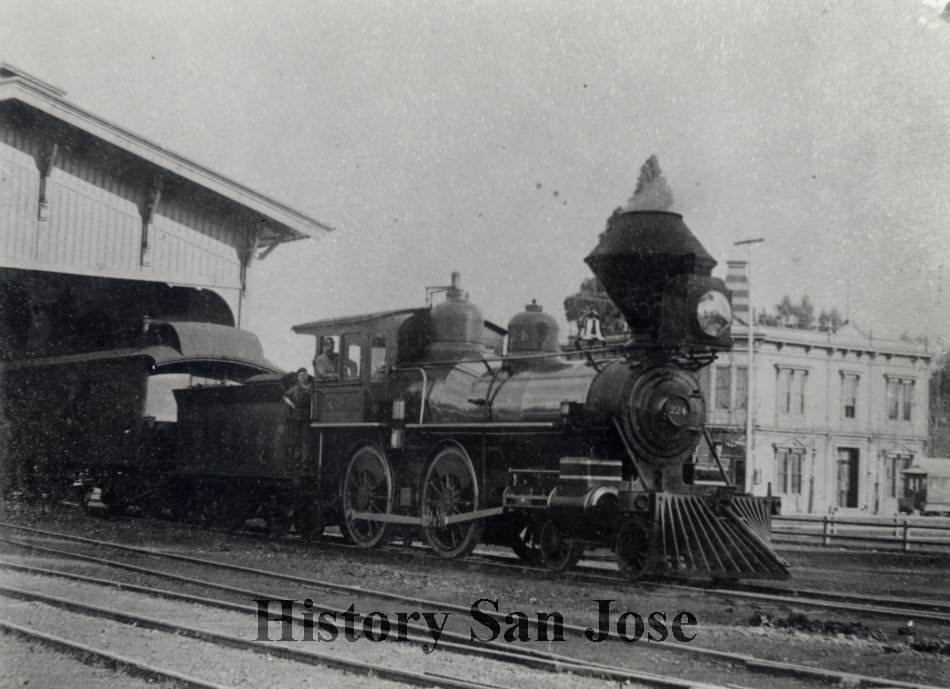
(420, 424)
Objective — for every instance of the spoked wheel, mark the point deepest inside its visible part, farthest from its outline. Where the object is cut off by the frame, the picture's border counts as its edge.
(367, 487)
(450, 488)
(634, 549)
(525, 542)
(558, 552)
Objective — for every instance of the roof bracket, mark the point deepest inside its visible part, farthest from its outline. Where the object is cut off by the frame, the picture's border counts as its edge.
(153, 196)
(46, 161)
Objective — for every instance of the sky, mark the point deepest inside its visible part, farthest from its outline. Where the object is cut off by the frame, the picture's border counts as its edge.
(495, 138)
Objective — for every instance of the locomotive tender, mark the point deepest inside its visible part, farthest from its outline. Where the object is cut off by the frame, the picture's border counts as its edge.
(103, 422)
(425, 426)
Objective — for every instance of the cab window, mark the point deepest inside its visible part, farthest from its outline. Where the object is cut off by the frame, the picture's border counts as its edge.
(326, 365)
(377, 359)
(353, 357)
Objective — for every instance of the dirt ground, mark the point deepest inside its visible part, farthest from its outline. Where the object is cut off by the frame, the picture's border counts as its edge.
(908, 650)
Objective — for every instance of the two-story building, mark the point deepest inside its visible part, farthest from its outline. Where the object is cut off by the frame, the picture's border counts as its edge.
(837, 416)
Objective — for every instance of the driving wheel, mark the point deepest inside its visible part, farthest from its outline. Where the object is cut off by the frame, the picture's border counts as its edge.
(525, 542)
(450, 488)
(367, 487)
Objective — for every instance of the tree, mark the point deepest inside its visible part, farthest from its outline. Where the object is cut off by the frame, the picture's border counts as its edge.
(939, 431)
(915, 339)
(763, 317)
(789, 314)
(785, 310)
(806, 314)
(593, 297)
(830, 321)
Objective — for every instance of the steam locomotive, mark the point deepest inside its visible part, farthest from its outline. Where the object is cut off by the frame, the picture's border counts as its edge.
(421, 425)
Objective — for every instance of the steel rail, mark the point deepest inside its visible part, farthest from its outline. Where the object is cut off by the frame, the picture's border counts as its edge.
(297, 655)
(751, 663)
(891, 606)
(809, 597)
(87, 653)
(934, 611)
(451, 641)
(330, 660)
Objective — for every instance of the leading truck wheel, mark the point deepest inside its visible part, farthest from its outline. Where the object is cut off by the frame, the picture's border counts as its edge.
(367, 487)
(524, 543)
(558, 552)
(450, 488)
(634, 549)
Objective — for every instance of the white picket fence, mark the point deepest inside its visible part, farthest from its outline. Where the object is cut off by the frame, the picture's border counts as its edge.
(930, 534)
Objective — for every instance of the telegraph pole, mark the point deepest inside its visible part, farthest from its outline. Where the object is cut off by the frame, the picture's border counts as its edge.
(750, 375)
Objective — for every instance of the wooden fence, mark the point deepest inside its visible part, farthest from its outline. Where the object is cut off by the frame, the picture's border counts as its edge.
(925, 534)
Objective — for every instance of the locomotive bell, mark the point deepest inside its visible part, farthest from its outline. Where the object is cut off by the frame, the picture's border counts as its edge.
(533, 331)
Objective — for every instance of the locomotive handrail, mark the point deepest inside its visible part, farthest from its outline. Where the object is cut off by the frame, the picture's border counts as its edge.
(715, 455)
(425, 390)
(486, 424)
(506, 359)
(632, 454)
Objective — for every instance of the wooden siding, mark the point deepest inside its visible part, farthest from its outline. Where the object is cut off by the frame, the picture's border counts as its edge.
(19, 191)
(193, 240)
(94, 222)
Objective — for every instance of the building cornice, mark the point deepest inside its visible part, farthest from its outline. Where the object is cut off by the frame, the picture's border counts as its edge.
(830, 342)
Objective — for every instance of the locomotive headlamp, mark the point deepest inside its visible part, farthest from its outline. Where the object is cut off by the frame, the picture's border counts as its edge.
(695, 312)
(714, 313)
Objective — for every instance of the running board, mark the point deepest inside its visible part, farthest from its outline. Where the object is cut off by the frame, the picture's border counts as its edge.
(696, 536)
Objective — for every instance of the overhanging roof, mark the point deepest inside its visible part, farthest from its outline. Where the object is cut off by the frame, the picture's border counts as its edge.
(312, 327)
(285, 224)
(181, 342)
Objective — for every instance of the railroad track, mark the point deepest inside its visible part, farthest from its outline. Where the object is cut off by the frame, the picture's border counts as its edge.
(217, 639)
(535, 660)
(937, 612)
(89, 654)
(890, 606)
(754, 666)
(862, 604)
(886, 606)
